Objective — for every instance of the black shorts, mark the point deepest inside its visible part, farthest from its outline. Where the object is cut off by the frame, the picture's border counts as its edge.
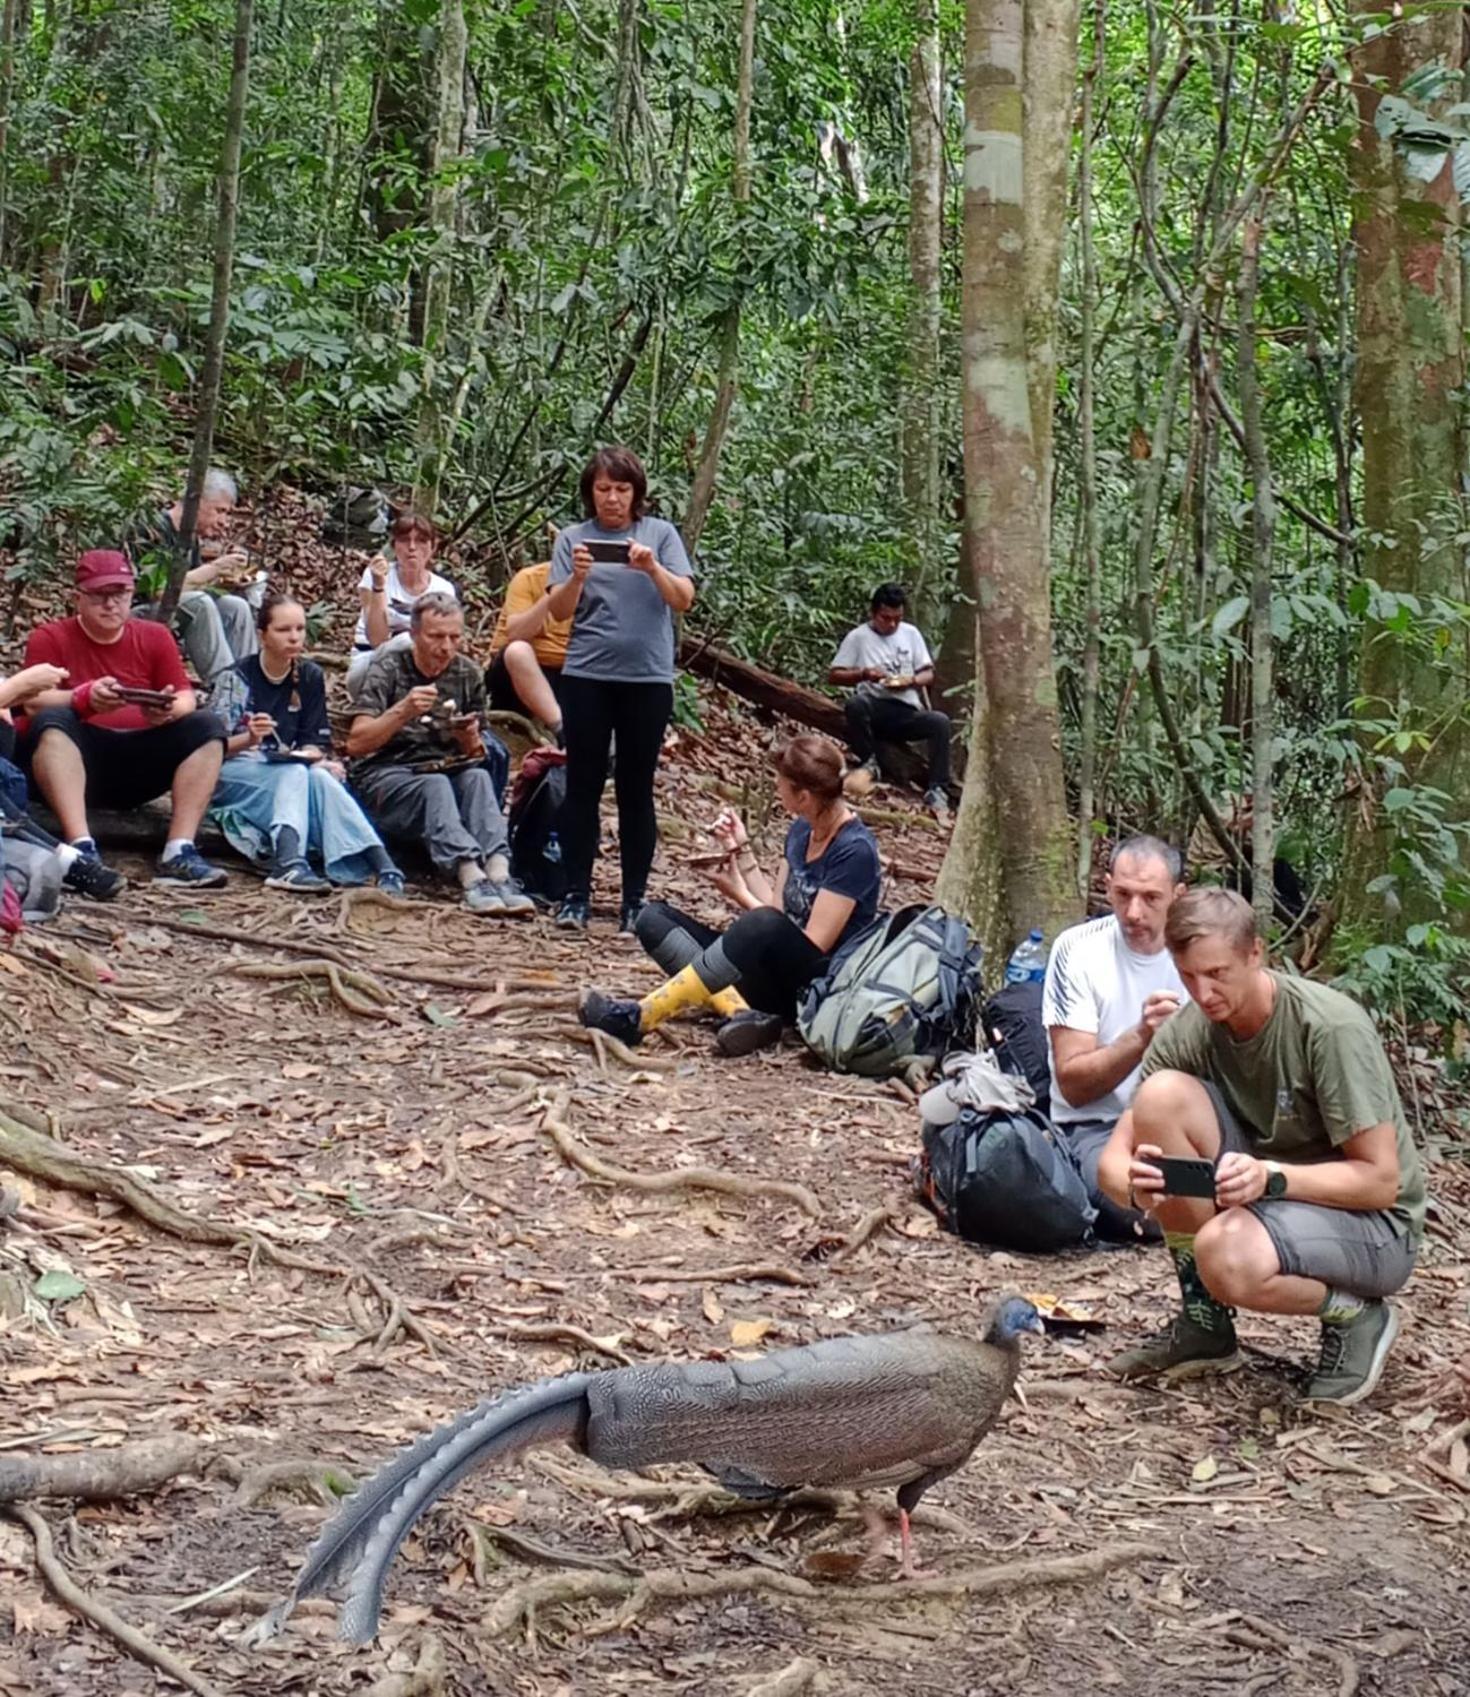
(500, 691)
(126, 768)
(1364, 1251)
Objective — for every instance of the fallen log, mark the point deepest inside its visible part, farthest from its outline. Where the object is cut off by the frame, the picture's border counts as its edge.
(764, 689)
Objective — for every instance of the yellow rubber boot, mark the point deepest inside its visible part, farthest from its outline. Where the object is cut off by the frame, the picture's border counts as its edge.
(685, 990)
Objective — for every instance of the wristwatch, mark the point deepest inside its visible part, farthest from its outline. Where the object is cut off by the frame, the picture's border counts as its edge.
(1275, 1180)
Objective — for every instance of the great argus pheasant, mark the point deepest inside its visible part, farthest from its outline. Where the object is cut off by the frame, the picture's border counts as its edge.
(898, 1409)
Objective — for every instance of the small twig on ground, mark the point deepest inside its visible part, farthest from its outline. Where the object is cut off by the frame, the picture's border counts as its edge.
(679, 1178)
(743, 1272)
(555, 1331)
(1253, 1633)
(1447, 1440)
(358, 992)
(99, 1475)
(98, 1614)
(791, 1681)
(868, 1226)
(639, 1060)
(531, 1549)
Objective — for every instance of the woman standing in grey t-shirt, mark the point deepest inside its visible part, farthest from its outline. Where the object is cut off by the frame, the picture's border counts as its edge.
(620, 576)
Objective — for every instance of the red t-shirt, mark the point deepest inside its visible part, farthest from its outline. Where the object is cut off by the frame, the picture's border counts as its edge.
(145, 656)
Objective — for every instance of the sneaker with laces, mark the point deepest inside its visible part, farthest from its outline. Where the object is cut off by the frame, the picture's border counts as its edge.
(87, 876)
(612, 1016)
(628, 918)
(391, 883)
(1353, 1355)
(300, 879)
(749, 1030)
(484, 897)
(1187, 1350)
(189, 870)
(937, 802)
(513, 899)
(574, 913)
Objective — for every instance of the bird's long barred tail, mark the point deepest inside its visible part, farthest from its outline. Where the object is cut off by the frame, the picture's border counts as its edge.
(374, 1521)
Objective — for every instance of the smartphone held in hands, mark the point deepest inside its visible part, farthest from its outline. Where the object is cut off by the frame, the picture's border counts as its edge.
(1187, 1177)
(609, 553)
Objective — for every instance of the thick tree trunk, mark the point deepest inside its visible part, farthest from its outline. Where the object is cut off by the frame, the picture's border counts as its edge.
(1410, 371)
(1004, 498)
(764, 689)
(919, 407)
(228, 199)
(1087, 475)
(443, 211)
(703, 491)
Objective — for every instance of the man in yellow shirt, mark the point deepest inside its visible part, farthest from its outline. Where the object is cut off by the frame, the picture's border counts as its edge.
(527, 651)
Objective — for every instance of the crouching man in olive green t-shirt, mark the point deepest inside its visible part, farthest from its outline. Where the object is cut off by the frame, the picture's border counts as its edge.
(1319, 1192)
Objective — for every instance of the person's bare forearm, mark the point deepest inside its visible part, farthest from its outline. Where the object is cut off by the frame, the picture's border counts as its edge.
(1112, 1165)
(527, 626)
(677, 591)
(1346, 1183)
(375, 619)
(846, 676)
(367, 735)
(1083, 1078)
(561, 603)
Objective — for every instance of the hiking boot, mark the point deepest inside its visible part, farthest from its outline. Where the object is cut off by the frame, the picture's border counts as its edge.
(612, 1016)
(299, 879)
(513, 899)
(87, 876)
(937, 801)
(628, 918)
(574, 913)
(1353, 1355)
(189, 870)
(1186, 1351)
(391, 883)
(745, 1032)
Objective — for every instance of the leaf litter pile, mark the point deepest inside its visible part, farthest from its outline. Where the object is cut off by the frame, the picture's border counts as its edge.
(295, 1181)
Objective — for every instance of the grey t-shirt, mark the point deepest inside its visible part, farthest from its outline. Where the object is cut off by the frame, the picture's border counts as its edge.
(623, 629)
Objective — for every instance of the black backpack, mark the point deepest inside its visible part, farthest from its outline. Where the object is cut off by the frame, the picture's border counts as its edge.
(1018, 1039)
(533, 821)
(1006, 1178)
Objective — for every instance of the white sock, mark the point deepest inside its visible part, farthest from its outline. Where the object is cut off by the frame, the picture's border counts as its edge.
(497, 869)
(470, 873)
(84, 845)
(66, 853)
(174, 847)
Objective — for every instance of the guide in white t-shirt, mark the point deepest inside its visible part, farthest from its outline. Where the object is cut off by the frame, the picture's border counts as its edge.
(1110, 984)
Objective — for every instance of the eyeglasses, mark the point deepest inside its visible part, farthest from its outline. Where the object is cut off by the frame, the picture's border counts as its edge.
(123, 594)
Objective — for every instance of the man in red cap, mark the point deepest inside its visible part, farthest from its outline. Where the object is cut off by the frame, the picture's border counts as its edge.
(91, 742)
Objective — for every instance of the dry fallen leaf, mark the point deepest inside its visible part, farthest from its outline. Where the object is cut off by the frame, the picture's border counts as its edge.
(1205, 1470)
(744, 1333)
(712, 1309)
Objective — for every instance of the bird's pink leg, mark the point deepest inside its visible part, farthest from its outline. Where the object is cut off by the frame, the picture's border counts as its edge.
(906, 1567)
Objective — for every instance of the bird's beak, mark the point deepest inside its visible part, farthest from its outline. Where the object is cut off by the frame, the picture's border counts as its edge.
(1037, 1325)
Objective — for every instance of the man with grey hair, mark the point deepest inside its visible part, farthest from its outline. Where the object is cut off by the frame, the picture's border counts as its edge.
(215, 630)
(1110, 985)
(418, 758)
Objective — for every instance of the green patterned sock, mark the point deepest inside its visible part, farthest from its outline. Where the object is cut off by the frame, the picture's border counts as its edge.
(1199, 1305)
(1340, 1307)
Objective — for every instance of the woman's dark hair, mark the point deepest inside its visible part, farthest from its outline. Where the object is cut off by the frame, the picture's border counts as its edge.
(267, 609)
(621, 465)
(811, 763)
(888, 595)
(410, 523)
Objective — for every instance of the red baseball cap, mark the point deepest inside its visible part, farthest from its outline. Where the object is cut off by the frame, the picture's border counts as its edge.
(104, 568)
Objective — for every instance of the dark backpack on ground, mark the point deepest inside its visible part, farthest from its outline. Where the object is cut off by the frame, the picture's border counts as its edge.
(907, 989)
(1007, 1179)
(533, 823)
(1017, 1038)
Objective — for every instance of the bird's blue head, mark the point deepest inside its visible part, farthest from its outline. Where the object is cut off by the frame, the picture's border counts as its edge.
(1014, 1315)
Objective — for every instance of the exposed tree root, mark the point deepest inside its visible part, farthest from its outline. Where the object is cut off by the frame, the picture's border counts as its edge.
(67, 1591)
(99, 1475)
(326, 1484)
(1253, 1633)
(358, 992)
(637, 1059)
(427, 1678)
(665, 1585)
(868, 1226)
(532, 1550)
(796, 1677)
(555, 1331)
(679, 1178)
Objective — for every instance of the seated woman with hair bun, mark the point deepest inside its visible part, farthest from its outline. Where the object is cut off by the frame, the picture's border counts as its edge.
(823, 896)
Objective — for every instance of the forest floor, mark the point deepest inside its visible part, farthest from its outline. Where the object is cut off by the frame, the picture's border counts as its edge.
(1231, 1541)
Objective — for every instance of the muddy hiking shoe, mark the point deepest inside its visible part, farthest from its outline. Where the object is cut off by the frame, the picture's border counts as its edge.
(1353, 1355)
(1187, 1350)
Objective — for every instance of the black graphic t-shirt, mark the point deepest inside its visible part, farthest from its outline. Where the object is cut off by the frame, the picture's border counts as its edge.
(848, 865)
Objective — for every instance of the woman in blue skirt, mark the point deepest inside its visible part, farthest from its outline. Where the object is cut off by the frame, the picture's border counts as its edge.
(280, 799)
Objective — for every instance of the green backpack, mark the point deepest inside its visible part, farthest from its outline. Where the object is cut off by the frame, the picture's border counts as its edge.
(908, 989)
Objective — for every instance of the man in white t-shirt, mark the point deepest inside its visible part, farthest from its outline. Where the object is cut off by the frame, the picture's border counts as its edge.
(886, 662)
(1110, 985)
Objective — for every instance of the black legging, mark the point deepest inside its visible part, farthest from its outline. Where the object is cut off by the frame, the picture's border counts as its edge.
(593, 711)
(762, 954)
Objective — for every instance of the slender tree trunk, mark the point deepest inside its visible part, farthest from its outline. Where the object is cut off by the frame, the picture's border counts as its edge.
(443, 208)
(1087, 474)
(919, 407)
(1004, 508)
(228, 199)
(702, 492)
(8, 31)
(1263, 536)
(1050, 84)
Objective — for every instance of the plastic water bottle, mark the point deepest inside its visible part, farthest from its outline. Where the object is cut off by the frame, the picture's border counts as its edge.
(552, 849)
(1028, 964)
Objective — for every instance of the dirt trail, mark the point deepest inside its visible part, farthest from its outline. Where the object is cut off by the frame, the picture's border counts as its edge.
(1295, 1553)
